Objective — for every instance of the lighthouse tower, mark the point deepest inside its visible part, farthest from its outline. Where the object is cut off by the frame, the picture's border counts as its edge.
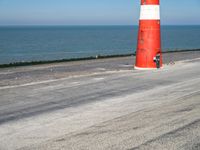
(148, 54)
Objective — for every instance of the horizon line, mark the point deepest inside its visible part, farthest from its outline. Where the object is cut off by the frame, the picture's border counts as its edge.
(94, 25)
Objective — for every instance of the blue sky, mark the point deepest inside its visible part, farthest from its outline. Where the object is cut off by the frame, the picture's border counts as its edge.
(93, 12)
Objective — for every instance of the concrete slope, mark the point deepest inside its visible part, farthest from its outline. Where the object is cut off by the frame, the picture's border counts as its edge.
(118, 109)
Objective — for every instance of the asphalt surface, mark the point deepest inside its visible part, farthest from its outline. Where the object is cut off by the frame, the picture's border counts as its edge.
(102, 104)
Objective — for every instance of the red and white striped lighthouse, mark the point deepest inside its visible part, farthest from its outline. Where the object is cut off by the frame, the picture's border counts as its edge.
(148, 54)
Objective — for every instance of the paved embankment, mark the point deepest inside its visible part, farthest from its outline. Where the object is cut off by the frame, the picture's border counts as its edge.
(102, 104)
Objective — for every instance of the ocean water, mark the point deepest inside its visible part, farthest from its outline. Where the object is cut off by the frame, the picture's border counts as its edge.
(34, 43)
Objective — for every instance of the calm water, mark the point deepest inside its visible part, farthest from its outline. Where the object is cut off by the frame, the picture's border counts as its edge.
(59, 42)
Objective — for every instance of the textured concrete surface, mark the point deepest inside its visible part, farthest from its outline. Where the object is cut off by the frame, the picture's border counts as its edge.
(107, 105)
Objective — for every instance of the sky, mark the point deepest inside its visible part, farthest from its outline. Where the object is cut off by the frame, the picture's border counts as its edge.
(93, 12)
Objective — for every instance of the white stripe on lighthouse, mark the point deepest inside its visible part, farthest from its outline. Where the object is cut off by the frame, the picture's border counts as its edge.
(150, 12)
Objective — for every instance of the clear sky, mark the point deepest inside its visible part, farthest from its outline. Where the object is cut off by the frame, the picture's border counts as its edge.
(93, 12)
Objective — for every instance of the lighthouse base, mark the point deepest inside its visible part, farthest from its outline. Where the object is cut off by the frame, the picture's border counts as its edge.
(139, 68)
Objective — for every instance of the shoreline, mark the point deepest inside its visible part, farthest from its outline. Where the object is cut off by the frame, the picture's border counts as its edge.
(33, 63)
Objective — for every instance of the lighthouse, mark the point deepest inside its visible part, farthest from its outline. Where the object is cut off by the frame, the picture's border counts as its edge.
(149, 54)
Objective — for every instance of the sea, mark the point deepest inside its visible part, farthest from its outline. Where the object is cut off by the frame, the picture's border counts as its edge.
(43, 43)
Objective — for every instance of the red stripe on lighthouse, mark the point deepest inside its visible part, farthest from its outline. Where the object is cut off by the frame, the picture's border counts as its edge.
(148, 55)
(150, 2)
